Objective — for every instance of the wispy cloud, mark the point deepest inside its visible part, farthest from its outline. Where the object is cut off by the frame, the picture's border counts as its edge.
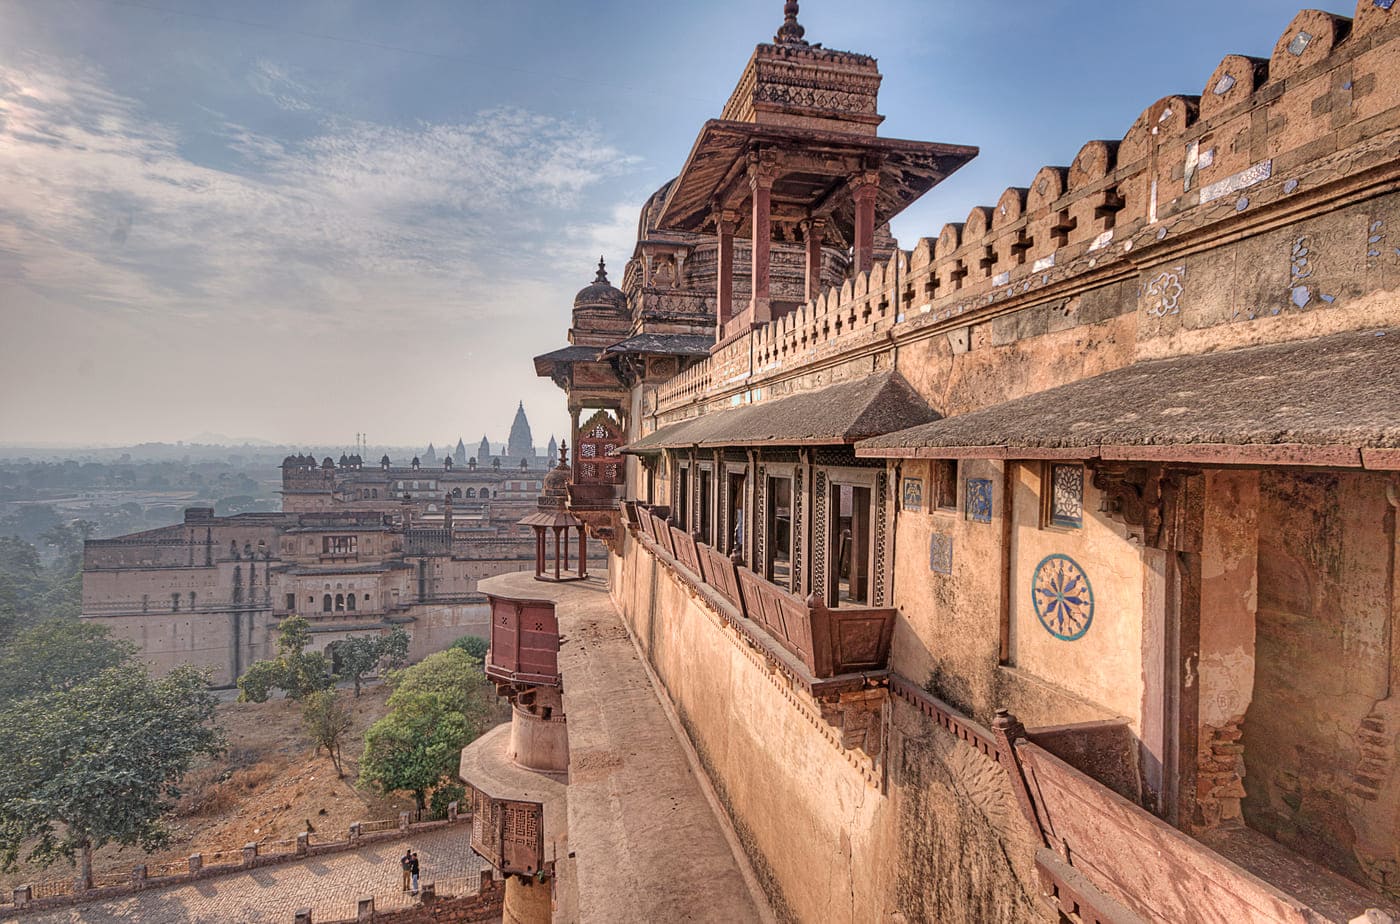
(103, 206)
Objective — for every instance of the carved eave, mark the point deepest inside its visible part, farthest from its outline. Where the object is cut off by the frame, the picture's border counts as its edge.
(813, 169)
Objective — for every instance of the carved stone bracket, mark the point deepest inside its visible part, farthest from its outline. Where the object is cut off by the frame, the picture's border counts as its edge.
(1125, 496)
(1159, 507)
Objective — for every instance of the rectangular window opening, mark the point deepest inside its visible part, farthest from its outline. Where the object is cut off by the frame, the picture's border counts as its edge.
(778, 567)
(851, 508)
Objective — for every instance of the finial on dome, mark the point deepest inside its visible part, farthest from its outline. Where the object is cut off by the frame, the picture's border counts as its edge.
(602, 277)
(791, 32)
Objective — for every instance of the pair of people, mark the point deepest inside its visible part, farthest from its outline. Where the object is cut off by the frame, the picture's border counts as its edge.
(409, 864)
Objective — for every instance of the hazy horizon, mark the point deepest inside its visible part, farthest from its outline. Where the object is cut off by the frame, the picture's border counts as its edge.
(298, 222)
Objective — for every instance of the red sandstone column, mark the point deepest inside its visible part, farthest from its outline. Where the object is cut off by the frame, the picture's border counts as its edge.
(866, 187)
(725, 224)
(813, 229)
(762, 172)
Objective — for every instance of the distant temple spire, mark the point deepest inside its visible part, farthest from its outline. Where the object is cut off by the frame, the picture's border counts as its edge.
(520, 444)
(791, 31)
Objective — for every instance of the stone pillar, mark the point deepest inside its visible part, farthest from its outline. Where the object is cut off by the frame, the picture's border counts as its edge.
(303, 843)
(250, 854)
(865, 187)
(196, 862)
(23, 895)
(762, 172)
(1229, 587)
(403, 821)
(812, 231)
(364, 909)
(527, 901)
(452, 810)
(680, 269)
(725, 224)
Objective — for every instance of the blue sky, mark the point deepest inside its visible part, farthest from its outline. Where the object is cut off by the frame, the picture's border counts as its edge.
(299, 220)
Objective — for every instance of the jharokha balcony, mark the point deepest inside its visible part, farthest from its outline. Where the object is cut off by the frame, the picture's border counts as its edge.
(827, 643)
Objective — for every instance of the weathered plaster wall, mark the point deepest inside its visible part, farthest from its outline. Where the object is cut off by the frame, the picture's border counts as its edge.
(966, 852)
(1104, 665)
(1321, 760)
(819, 835)
(437, 625)
(943, 842)
(206, 641)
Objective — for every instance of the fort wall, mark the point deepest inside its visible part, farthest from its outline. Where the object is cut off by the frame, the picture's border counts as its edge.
(834, 833)
(1260, 211)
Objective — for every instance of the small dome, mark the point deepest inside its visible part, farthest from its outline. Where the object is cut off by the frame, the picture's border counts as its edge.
(601, 294)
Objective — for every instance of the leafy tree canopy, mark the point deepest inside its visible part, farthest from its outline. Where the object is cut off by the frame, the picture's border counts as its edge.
(414, 747)
(57, 655)
(438, 707)
(474, 645)
(295, 671)
(455, 679)
(99, 762)
(327, 718)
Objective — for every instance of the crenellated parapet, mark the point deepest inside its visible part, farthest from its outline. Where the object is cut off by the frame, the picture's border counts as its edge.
(1266, 142)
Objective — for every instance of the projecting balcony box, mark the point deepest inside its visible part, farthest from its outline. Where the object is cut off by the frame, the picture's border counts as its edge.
(524, 645)
(1328, 401)
(828, 642)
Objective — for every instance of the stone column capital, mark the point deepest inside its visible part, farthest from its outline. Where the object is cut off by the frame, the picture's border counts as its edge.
(764, 166)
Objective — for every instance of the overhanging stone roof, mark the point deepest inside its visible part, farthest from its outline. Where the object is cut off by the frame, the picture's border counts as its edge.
(908, 169)
(1332, 401)
(665, 344)
(837, 414)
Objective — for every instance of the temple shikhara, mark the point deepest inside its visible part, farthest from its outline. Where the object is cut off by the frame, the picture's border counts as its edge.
(1041, 569)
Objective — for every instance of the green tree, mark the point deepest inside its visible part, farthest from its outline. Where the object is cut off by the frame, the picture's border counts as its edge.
(258, 682)
(57, 655)
(414, 747)
(393, 649)
(355, 657)
(455, 679)
(295, 671)
(327, 719)
(475, 646)
(99, 763)
(439, 707)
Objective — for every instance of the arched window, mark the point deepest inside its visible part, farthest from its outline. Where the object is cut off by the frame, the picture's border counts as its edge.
(350, 602)
(375, 493)
(471, 492)
(326, 603)
(339, 603)
(457, 492)
(485, 492)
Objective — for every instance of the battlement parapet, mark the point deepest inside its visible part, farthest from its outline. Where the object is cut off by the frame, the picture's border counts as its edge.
(1267, 140)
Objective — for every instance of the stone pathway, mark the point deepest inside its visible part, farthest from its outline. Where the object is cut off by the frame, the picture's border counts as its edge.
(330, 885)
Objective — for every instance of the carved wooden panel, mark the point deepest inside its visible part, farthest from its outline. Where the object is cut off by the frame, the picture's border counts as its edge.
(598, 455)
(524, 641)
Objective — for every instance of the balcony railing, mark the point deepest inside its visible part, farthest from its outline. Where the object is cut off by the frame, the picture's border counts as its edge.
(1104, 858)
(828, 642)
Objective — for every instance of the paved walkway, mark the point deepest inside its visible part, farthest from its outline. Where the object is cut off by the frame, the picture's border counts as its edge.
(330, 885)
(648, 843)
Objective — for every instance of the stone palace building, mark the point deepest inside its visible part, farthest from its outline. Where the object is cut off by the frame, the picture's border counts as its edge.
(1047, 570)
(356, 549)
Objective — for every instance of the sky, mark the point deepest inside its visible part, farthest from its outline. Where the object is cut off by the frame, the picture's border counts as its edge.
(298, 220)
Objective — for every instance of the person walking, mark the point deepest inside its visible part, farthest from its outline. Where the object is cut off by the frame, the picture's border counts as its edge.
(406, 864)
(413, 869)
